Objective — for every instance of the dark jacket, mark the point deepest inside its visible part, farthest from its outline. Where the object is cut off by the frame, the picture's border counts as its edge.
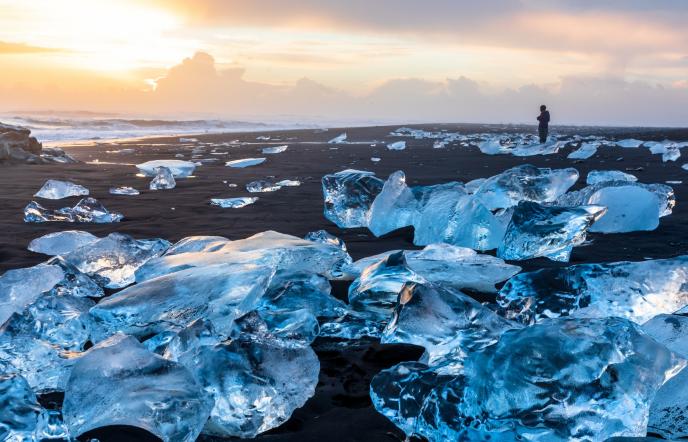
(543, 119)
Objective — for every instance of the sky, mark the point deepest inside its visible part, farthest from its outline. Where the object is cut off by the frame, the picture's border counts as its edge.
(493, 61)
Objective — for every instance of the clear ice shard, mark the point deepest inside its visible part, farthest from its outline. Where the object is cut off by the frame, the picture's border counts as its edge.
(233, 203)
(120, 382)
(275, 149)
(637, 291)
(601, 176)
(262, 186)
(568, 379)
(325, 237)
(285, 252)
(164, 179)
(446, 322)
(56, 190)
(341, 138)
(585, 151)
(198, 243)
(88, 210)
(394, 207)
(123, 190)
(246, 162)
(546, 231)
(20, 409)
(349, 195)
(255, 385)
(112, 261)
(216, 293)
(60, 243)
(397, 145)
(525, 183)
(668, 411)
(179, 168)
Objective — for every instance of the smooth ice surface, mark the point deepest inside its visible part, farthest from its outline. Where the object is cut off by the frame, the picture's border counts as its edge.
(122, 383)
(233, 203)
(394, 207)
(349, 195)
(629, 209)
(629, 143)
(20, 287)
(634, 290)
(562, 380)
(601, 176)
(275, 149)
(19, 411)
(525, 183)
(123, 190)
(164, 179)
(216, 293)
(246, 162)
(341, 138)
(60, 243)
(179, 168)
(546, 231)
(585, 151)
(283, 252)
(56, 190)
(262, 186)
(199, 243)
(88, 210)
(112, 260)
(397, 145)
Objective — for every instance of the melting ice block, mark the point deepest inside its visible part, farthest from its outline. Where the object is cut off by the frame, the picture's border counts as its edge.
(164, 179)
(338, 139)
(275, 149)
(246, 162)
(179, 168)
(262, 186)
(233, 203)
(603, 374)
(525, 183)
(550, 231)
(121, 383)
(397, 145)
(601, 176)
(349, 195)
(585, 151)
(20, 409)
(56, 190)
(113, 260)
(88, 210)
(634, 290)
(123, 190)
(60, 243)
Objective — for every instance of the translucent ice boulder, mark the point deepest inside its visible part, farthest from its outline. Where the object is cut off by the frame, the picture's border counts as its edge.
(179, 168)
(21, 287)
(394, 207)
(164, 179)
(199, 243)
(120, 382)
(349, 195)
(60, 243)
(601, 176)
(88, 210)
(246, 162)
(629, 143)
(585, 151)
(56, 190)
(546, 231)
(233, 203)
(634, 290)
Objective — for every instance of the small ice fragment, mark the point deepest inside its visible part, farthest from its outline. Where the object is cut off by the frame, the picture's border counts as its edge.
(233, 203)
(123, 190)
(439, 144)
(275, 149)
(164, 179)
(180, 169)
(338, 139)
(188, 140)
(262, 186)
(674, 182)
(288, 183)
(585, 151)
(60, 243)
(375, 159)
(600, 176)
(88, 210)
(397, 145)
(629, 143)
(246, 162)
(55, 190)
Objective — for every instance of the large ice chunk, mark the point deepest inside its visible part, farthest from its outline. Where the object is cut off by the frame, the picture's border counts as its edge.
(56, 190)
(601, 176)
(199, 243)
(634, 290)
(246, 162)
(21, 287)
(88, 210)
(164, 179)
(113, 260)
(60, 243)
(629, 143)
(122, 383)
(525, 183)
(394, 207)
(179, 168)
(562, 380)
(585, 151)
(20, 410)
(546, 231)
(349, 195)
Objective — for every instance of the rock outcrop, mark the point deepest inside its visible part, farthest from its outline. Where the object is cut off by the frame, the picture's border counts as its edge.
(18, 146)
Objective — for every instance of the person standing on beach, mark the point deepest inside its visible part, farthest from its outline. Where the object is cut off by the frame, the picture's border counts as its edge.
(543, 127)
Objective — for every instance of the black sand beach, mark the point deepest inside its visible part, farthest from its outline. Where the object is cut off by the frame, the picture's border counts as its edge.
(341, 409)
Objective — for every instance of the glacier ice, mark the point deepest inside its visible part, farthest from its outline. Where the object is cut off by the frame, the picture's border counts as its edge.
(629, 143)
(262, 186)
(56, 190)
(120, 382)
(561, 380)
(246, 162)
(123, 190)
(20, 409)
(199, 243)
(20, 287)
(325, 237)
(341, 138)
(288, 183)
(636, 291)
(275, 149)
(50, 426)
(536, 230)
(585, 151)
(525, 183)
(397, 145)
(601, 176)
(60, 243)
(394, 207)
(88, 210)
(672, 153)
(233, 203)
(112, 260)
(163, 179)
(349, 195)
(179, 168)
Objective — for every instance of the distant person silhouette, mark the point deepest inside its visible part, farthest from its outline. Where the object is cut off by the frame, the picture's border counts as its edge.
(543, 127)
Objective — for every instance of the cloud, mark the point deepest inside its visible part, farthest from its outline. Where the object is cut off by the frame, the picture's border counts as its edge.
(21, 48)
